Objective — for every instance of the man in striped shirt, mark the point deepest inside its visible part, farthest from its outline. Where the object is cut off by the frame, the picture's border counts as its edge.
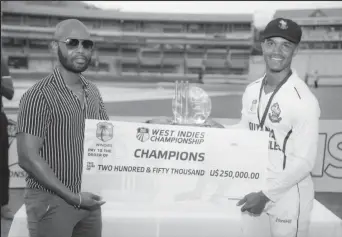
(50, 137)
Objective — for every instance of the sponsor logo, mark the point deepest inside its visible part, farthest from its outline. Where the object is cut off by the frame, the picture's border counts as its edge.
(16, 172)
(274, 115)
(173, 136)
(273, 145)
(143, 134)
(253, 106)
(104, 131)
(285, 221)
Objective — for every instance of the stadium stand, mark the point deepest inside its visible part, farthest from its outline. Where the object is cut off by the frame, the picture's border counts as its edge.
(131, 45)
(321, 46)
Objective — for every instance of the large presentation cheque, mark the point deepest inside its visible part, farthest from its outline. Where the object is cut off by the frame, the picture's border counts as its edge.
(164, 164)
(167, 181)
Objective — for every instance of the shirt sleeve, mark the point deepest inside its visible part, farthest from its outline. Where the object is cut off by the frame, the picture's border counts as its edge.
(103, 111)
(33, 116)
(301, 159)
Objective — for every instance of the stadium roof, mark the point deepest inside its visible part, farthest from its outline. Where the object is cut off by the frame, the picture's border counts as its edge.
(322, 12)
(82, 10)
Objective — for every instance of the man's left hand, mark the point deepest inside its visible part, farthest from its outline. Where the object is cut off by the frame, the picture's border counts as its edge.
(254, 203)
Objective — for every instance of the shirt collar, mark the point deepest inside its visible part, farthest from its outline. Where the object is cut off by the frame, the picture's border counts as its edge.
(61, 83)
(289, 80)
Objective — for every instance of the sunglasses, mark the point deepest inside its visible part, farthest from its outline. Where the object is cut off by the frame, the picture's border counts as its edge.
(74, 43)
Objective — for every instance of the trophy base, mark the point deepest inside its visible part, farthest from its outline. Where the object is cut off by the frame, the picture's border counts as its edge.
(209, 123)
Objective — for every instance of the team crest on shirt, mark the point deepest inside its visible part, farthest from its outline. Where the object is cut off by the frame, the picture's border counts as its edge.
(143, 134)
(104, 131)
(274, 115)
(283, 25)
(252, 109)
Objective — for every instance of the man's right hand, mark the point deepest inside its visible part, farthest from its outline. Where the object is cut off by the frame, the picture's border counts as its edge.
(89, 201)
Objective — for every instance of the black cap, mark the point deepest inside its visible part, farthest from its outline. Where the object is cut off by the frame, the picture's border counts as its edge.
(285, 28)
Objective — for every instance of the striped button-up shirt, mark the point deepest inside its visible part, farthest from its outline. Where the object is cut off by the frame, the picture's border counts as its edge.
(50, 110)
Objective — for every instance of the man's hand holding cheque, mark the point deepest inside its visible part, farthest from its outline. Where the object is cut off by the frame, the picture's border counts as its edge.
(254, 203)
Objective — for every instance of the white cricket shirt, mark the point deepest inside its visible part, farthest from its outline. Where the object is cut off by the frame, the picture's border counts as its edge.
(293, 124)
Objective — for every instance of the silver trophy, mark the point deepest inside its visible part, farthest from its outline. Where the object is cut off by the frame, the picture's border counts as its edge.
(191, 105)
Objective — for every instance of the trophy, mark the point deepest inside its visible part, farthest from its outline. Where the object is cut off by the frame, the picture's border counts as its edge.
(191, 106)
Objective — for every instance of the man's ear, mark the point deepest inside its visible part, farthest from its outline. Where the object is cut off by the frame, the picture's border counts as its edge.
(54, 46)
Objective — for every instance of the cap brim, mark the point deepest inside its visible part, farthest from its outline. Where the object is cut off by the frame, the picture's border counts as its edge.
(280, 35)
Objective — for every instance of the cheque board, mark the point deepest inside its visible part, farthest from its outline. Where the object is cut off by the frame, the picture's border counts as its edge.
(327, 173)
(148, 162)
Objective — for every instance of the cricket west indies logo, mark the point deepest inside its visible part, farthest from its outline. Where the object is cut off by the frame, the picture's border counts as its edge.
(104, 131)
(143, 134)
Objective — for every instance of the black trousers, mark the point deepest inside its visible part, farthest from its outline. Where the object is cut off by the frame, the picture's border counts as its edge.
(4, 171)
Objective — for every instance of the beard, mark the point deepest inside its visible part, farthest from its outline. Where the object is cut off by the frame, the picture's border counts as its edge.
(69, 66)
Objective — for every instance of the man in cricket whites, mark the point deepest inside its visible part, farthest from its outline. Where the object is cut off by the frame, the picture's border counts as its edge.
(281, 103)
